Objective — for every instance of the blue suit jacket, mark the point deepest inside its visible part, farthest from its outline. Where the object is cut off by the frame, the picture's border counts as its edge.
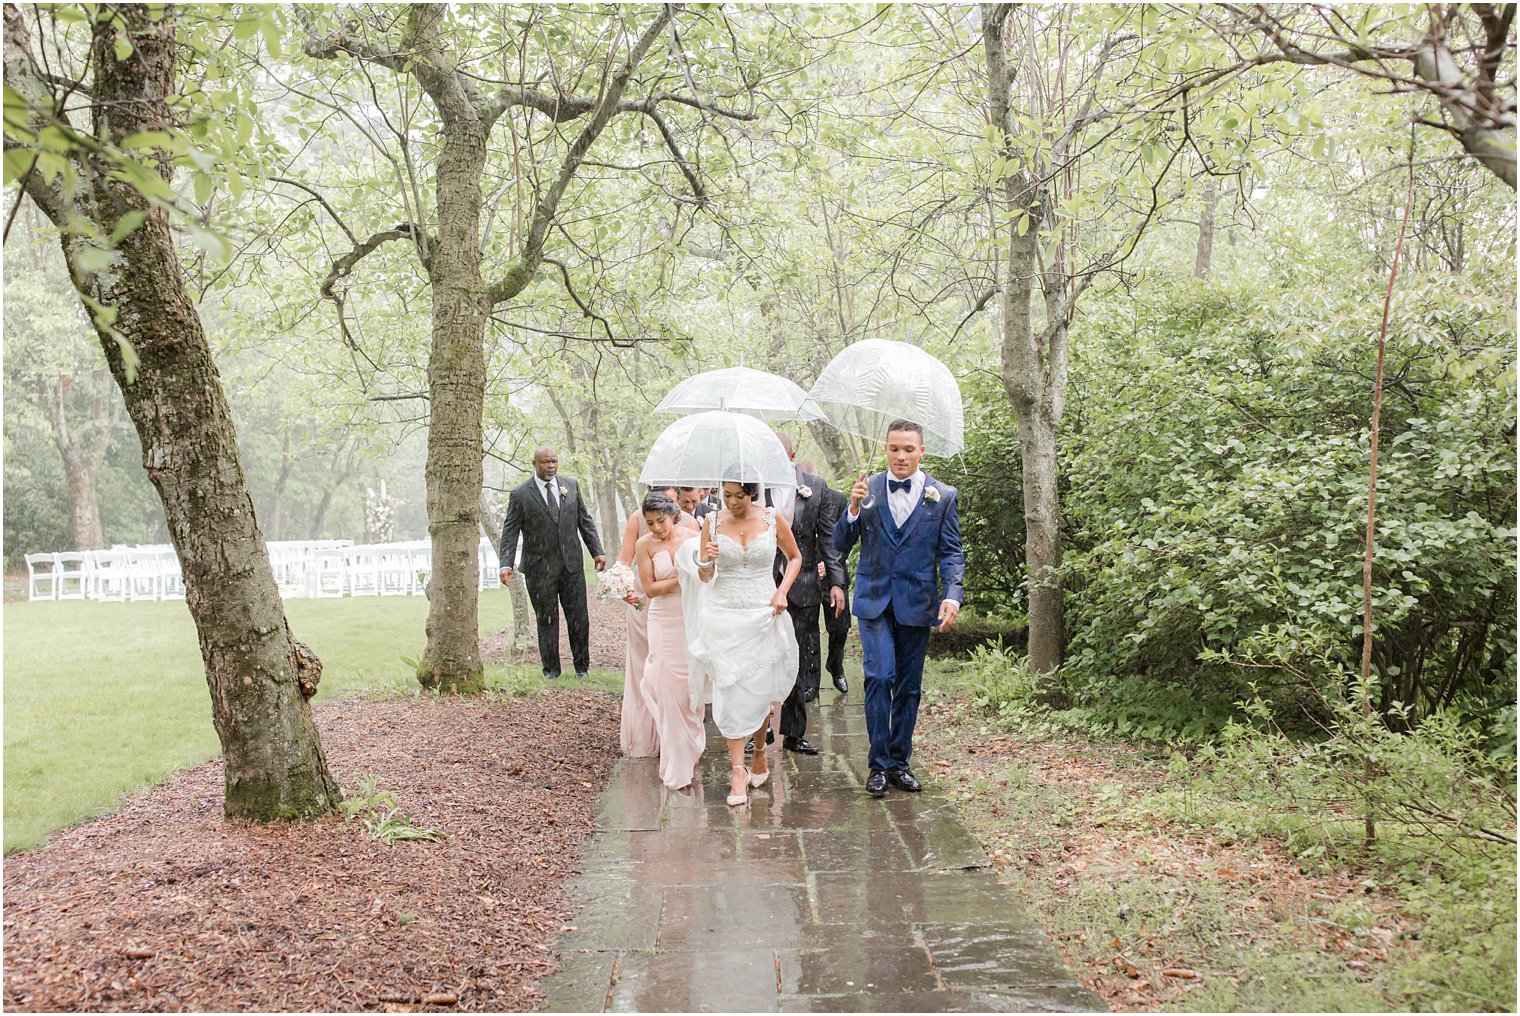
(911, 569)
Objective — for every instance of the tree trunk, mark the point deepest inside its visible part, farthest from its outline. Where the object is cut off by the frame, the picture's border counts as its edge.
(82, 451)
(612, 526)
(841, 466)
(1203, 258)
(84, 504)
(456, 376)
(261, 678)
(277, 509)
(1034, 370)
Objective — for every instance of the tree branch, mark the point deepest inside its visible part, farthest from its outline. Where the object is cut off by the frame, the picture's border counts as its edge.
(521, 273)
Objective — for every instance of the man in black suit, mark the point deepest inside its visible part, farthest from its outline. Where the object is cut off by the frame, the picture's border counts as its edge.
(548, 511)
(813, 518)
(836, 617)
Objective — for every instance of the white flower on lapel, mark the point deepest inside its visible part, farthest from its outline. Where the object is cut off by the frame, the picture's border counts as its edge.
(804, 491)
(931, 495)
(565, 492)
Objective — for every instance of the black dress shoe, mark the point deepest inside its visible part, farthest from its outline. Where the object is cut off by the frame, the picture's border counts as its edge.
(839, 684)
(749, 746)
(582, 675)
(876, 783)
(550, 676)
(801, 745)
(811, 695)
(904, 780)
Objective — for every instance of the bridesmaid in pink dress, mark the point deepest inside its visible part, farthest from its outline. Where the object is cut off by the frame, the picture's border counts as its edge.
(637, 732)
(664, 689)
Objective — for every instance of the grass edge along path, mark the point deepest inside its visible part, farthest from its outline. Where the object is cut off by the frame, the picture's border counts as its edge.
(1158, 904)
(102, 699)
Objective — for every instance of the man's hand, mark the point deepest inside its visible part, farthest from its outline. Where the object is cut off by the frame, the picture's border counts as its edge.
(858, 494)
(822, 571)
(506, 576)
(947, 612)
(836, 600)
(600, 561)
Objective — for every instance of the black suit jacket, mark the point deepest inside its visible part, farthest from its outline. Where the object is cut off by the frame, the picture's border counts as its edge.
(548, 548)
(839, 503)
(813, 519)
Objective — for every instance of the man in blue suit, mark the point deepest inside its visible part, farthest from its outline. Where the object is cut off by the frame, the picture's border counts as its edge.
(908, 581)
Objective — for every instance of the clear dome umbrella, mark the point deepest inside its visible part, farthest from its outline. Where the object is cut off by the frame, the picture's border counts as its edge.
(875, 381)
(741, 390)
(705, 449)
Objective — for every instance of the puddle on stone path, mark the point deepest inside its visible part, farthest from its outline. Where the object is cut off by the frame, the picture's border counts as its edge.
(814, 897)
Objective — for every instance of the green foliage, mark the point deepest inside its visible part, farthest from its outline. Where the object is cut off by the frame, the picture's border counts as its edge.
(1215, 501)
(381, 814)
(1218, 494)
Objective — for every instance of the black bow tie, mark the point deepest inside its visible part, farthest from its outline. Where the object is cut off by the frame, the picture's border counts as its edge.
(903, 485)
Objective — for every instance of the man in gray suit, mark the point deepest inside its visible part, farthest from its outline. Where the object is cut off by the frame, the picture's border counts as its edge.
(548, 512)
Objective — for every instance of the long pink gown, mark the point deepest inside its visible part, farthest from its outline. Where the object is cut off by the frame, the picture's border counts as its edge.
(665, 689)
(637, 732)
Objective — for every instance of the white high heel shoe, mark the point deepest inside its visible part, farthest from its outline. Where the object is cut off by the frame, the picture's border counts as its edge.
(734, 800)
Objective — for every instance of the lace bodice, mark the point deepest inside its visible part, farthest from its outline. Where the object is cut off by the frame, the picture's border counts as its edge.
(744, 577)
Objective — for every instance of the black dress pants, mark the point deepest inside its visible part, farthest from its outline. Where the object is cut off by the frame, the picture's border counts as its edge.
(794, 710)
(548, 593)
(839, 633)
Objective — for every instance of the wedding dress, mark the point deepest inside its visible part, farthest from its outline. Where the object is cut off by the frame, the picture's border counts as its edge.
(742, 656)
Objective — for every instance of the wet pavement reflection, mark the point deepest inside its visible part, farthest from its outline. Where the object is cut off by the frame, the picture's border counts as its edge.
(813, 897)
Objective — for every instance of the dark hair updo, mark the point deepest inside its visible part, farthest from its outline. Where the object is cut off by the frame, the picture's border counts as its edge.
(661, 504)
(745, 476)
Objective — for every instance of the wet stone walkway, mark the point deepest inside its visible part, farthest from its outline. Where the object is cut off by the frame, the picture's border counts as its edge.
(813, 897)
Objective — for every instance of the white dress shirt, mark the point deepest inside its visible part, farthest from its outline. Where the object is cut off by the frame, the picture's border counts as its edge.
(902, 502)
(550, 497)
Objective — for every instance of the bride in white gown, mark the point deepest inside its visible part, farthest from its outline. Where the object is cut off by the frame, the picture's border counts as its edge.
(741, 644)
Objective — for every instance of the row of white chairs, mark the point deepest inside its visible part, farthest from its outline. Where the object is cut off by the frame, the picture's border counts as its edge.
(121, 573)
(302, 568)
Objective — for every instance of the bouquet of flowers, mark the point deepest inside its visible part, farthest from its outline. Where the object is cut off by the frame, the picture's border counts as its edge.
(617, 583)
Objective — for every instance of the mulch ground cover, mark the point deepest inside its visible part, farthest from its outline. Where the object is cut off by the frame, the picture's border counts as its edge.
(164, 906)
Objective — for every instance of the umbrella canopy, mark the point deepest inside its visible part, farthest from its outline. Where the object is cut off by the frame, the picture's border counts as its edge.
(704, 449)
(741, 390)
(875, 381)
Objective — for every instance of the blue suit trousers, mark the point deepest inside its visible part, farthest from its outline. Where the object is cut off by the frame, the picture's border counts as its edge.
(894, 668)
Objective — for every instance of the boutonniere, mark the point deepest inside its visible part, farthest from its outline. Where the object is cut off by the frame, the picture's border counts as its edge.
(804, 491)
(564, 491)
(931, 494)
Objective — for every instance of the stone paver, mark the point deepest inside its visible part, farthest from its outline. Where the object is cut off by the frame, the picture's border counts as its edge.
(814, 897)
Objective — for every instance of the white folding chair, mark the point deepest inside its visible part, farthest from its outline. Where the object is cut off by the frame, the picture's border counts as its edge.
(73, 575)
(420, 554)
(393, 570)
(490, 577)
(145, 578)
(327, 573)
(42, 576)
(109, 578)
(363, 570)
(171, 579)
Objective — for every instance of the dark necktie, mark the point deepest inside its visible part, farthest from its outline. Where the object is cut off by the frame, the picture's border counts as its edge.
(551, 499)
(903, 485)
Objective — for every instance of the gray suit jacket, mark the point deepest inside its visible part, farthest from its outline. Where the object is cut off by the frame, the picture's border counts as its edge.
(548, 547)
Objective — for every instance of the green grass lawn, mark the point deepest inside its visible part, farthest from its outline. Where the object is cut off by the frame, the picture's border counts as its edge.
(104, 698)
